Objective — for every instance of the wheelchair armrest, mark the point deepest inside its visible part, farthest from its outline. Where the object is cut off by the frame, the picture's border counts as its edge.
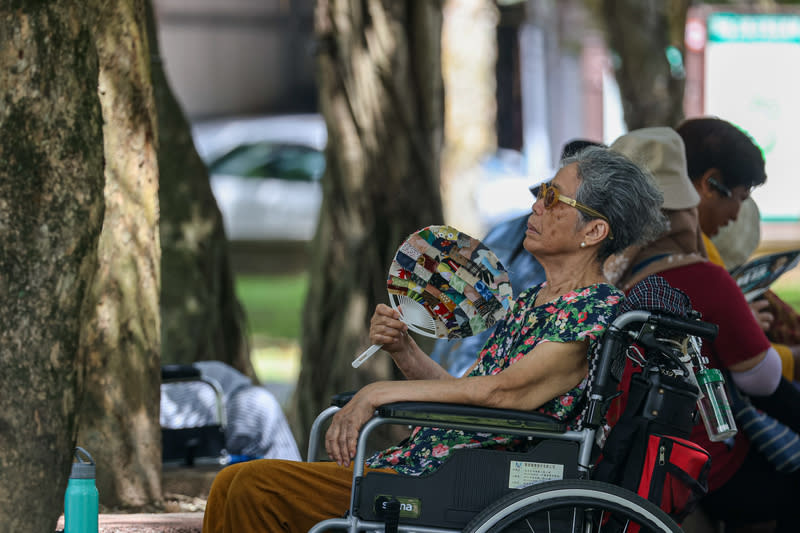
(446, 414)
(341, 399)
(425, 412)
(430, 413)
(179, 372)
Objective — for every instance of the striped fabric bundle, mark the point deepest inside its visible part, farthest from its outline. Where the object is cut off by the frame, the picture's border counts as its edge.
(778, 442)
(255, 425)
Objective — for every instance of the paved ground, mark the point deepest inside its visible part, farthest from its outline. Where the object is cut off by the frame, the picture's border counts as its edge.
(185, 492)
(149, 523)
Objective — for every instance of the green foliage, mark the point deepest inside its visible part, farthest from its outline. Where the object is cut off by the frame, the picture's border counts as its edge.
(273, 303)
(789, 290)
(741, 3)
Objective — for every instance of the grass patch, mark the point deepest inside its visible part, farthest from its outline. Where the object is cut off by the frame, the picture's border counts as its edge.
(788, 289)
(274, 305)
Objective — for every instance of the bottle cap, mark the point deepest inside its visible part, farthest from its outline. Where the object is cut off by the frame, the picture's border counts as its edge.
(709, 375)
(82, 469)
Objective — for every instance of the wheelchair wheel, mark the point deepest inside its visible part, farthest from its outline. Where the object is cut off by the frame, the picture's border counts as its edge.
(572, 506)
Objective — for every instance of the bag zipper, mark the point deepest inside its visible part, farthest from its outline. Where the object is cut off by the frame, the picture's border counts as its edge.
(665, 445)
(656, 491)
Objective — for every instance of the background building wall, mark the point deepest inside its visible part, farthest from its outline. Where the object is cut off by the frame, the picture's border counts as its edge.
(238, 56)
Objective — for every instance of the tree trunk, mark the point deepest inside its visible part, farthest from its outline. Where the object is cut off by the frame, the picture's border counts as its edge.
(638, 33)
(121, 328)
(201, 317)
(51, 212)
(380, 84)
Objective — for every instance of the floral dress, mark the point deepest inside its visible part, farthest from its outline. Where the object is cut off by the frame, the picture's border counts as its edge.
(578, 315)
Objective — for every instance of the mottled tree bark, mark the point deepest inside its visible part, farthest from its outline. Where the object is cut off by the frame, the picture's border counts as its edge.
(201, 317)
(51, 212)
(638, 33)
(380, 83)
(121, 329)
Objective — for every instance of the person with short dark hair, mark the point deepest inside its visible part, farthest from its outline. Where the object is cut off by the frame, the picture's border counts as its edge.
(725, 164)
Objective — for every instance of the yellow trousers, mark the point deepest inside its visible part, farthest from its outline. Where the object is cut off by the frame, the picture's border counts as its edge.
(273, 495)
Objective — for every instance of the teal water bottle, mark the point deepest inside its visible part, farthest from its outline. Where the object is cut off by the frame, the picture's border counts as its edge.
(81, 501)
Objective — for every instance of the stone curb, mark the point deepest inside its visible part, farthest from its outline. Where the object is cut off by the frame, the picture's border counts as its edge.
(149, 523)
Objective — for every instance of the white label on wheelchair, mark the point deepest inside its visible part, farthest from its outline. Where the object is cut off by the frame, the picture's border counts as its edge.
(524, 473)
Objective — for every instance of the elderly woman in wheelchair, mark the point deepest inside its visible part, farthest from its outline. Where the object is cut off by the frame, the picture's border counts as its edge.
(536, 361)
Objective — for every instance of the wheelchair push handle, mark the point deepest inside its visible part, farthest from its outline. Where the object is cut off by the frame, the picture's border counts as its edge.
(694, 327)
(629, 327)
(614, 340)
(688, 326)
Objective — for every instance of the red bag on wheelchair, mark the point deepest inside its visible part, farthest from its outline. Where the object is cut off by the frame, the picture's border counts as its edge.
(647, 451)
(674, 474)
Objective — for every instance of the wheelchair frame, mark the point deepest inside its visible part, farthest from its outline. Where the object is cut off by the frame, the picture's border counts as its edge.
(631, 327)
(189, 445)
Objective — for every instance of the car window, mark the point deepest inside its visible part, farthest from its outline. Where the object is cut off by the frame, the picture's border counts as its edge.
(270, 160)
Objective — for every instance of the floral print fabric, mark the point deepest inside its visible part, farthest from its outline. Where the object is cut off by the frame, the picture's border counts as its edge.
(578, 315)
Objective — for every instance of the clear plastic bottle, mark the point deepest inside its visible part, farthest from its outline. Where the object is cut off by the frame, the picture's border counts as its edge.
(81, 501)
(713, 404)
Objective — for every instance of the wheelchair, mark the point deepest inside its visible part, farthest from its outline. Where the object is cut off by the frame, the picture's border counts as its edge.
(203, 443)
(547, 488)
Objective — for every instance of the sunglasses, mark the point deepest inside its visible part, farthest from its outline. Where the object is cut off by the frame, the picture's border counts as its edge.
(722, 189)
(550, 195)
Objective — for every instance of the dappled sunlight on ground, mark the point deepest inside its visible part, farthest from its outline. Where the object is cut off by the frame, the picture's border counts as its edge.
(276, 360)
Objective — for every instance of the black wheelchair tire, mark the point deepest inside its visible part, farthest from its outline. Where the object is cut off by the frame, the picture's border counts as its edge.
(544, 498)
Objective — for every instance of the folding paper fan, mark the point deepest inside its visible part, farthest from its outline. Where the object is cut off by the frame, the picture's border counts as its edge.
(446, 284)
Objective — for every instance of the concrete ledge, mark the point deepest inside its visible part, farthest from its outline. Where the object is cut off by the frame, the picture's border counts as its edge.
(149, 523)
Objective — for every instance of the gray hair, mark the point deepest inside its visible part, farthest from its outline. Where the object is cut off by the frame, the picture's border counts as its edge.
(622, 191)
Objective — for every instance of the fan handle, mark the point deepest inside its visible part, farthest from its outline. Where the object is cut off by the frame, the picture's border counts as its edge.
(366, 354)
(415, 317)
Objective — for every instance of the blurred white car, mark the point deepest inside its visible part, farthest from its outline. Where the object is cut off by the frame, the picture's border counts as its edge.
(265, 174)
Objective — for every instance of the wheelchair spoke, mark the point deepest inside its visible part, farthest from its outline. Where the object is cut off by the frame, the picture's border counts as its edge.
(575, 506)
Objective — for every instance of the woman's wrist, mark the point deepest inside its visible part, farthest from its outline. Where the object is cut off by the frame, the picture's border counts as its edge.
(408, 352)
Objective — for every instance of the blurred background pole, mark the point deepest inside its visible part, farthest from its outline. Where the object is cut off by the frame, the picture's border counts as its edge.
(469, 56)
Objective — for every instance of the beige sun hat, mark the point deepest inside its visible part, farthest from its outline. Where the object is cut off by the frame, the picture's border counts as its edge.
(661, 151)
(737, 240)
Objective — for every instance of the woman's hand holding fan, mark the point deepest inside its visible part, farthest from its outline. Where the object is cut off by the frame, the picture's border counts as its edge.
(445, 284)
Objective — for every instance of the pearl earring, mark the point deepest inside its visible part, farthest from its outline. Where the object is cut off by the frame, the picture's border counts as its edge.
(583, 245)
